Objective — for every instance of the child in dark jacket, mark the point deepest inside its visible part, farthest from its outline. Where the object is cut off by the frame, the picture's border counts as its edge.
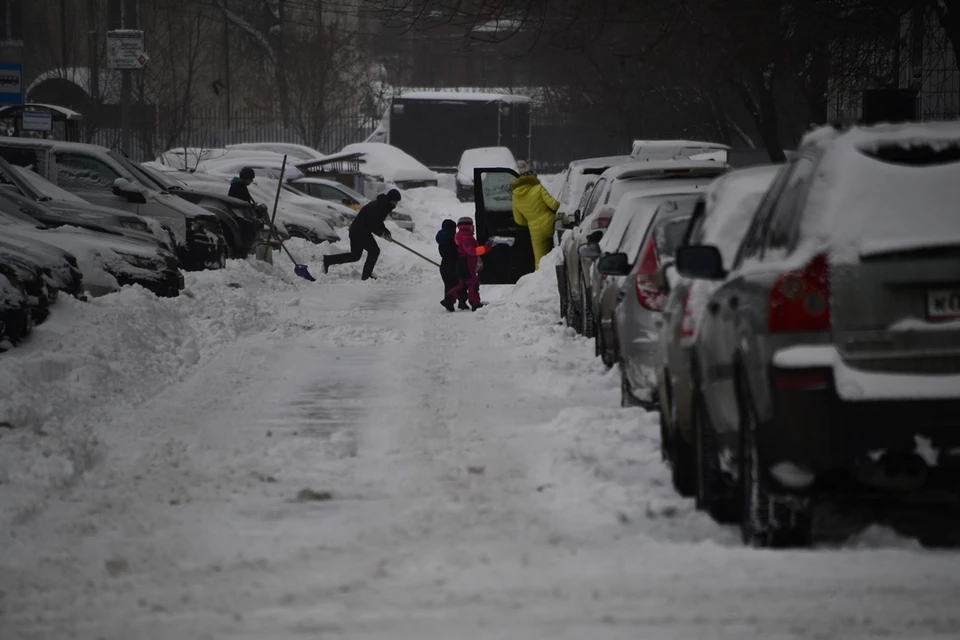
(449, 256)
(469, 252)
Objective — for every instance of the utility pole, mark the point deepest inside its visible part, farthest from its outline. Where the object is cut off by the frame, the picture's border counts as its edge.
(129, 18)
(93, 50)
(226, 57)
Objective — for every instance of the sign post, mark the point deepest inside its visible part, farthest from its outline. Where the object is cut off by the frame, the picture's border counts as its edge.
(125, 53)
(11, 84)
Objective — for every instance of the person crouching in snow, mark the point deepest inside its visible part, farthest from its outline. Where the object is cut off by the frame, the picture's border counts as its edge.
(535, 208)
(449, 257)
(469, 252)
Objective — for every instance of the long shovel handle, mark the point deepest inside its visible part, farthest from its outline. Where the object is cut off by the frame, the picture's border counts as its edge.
(276, 201)
(436, 264)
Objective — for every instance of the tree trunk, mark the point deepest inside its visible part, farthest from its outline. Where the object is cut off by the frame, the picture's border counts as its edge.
(949, 13)
(764, 114)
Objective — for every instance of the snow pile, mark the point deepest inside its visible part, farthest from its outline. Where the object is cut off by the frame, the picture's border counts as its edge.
(91, 359)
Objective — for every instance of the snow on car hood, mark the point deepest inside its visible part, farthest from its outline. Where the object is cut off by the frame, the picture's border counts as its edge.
(388, 162)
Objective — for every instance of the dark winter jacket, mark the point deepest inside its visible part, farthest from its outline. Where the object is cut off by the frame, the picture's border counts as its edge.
(239, 191)
(447, 244)
(371, 217)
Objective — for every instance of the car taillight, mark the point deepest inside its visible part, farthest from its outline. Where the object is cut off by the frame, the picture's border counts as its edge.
(601, 222)
(648, 295)
(687, 322)
(800, 300)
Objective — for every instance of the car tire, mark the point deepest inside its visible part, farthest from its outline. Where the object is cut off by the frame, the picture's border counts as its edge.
(765, 521)
(573, 311)
(682, 455)
(627, 399)
(586, 313)
(712, 495)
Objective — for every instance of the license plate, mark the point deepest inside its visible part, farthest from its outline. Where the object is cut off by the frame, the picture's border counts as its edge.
(943, 304)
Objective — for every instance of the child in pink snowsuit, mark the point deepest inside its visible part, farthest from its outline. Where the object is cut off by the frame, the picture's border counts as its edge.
(469, 251)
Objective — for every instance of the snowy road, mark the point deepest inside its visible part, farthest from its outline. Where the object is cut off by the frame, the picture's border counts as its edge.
(469, 476)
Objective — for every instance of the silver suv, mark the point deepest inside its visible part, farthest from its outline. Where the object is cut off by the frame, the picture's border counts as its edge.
(830, 355)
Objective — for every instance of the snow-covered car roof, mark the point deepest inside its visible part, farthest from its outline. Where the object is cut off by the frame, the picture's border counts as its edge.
(668, 148)
(883, 188)
(674, 168)
(634, 210)
(294, 151)
(484, 157)
(731, 202)
(389, 162)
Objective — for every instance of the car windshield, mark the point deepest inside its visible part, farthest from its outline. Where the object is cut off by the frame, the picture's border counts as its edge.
(47, 188)
(10, 178)
(164, 180)
(138, 173)
(359, 197)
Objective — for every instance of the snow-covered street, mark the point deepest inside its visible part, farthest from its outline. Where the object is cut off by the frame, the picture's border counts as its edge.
(265, 457)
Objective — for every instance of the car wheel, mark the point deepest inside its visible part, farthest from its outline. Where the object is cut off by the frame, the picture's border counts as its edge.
(573, 311)
(627, 399)
(765, 522)
(586, 314)
(682, 469)
(598, 345)
(713, 495)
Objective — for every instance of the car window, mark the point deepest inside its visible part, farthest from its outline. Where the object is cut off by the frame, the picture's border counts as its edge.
(82, 173)
(752, 243)
(330, 193)
(786, 210)
(595, 195)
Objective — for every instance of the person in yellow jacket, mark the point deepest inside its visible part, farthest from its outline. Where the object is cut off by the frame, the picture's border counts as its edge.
(535, 208)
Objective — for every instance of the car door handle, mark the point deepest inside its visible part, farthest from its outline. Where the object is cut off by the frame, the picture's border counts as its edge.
(713, 307)
(734, 302)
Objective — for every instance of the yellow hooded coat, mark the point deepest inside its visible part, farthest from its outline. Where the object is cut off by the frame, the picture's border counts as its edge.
(533, 207)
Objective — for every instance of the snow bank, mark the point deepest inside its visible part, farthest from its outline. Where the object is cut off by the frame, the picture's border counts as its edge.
(90, 359)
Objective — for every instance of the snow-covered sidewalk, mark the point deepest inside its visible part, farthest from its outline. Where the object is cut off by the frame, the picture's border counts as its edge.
(269, 458)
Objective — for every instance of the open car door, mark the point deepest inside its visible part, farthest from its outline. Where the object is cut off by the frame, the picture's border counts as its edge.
(494, 217)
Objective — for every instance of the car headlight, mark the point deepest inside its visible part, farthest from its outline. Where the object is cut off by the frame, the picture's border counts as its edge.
(135, 225)
(144, 262)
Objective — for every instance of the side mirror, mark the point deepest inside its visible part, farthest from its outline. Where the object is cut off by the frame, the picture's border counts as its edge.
(577, 217)
(126, 189)
(614, 264)
(590, 251)
(596, 236)
(702, 262)
(661, 278)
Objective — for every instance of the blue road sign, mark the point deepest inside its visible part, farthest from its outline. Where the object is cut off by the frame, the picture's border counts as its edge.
(11, 83)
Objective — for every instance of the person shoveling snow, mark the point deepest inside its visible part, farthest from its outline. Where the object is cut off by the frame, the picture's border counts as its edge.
(368, 223)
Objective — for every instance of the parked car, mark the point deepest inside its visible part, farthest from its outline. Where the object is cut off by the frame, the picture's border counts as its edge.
(623, 239)
(240, 222)
(722, 220)
(61, 266)
(671, 177)
(573, 181)
(634, 331)
(58, 207)
(299, 152)
(106, 178)
(828, 360)
(383, 165)
(36, 281)
(107, 261)
(333, 191)
(15, 320)
(673, 149)
(481, 158)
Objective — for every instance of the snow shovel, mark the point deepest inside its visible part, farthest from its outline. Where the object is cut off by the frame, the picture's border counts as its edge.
(436, 264)
(298, 268)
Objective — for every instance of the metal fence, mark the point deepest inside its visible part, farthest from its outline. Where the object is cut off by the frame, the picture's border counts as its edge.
(214, 127)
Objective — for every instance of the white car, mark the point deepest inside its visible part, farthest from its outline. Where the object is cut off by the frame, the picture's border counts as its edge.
(480, 158)
(296, 152)
(385, 166)
(333, 191)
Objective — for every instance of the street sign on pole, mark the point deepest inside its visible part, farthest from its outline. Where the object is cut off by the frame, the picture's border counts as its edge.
(11, 84)
(125, 50)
